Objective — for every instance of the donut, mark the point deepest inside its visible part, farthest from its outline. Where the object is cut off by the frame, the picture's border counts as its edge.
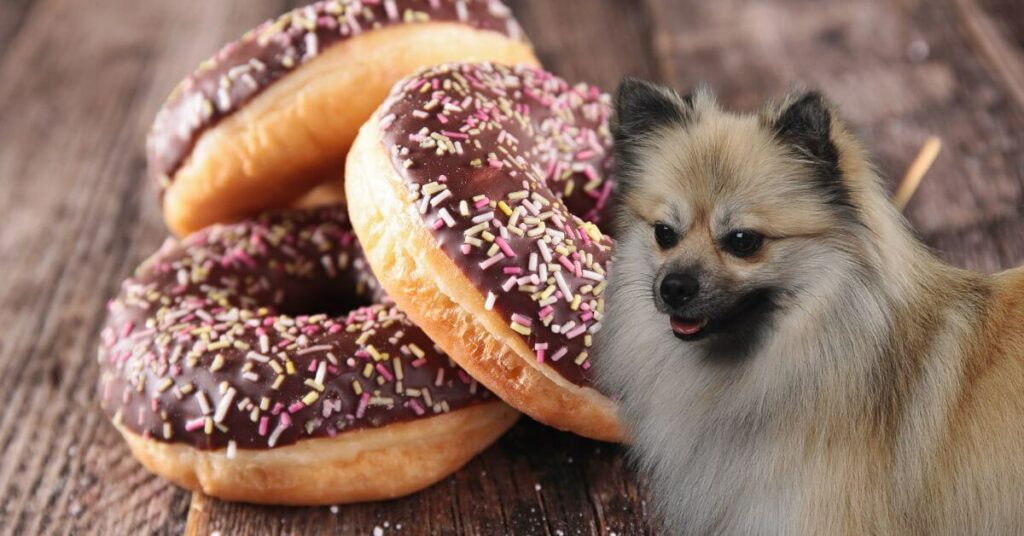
(229, 365)
(272, 115)
(476, 191)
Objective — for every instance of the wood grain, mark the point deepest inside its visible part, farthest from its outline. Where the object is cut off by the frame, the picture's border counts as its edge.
(80, 81)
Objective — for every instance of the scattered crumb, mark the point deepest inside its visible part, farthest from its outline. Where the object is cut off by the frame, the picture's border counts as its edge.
(378, 531)
(537, 487)
(334, 509)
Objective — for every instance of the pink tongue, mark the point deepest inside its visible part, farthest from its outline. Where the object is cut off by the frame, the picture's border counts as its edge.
(684, 327)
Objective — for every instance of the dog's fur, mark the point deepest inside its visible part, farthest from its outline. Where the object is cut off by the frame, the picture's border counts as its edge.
(851, 383)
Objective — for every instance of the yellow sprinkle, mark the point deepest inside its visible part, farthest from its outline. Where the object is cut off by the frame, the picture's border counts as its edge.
(416, 351)
(505, 208)
(264, 403)
(368, 370)
(520, 329)
(592, 231)
(310, 397)
(581, 358)
(168, 431)
(289, 366)
(313, 384)
(277, 368)
(165, 384)
(208, 426)
(548, 292)
(397, 365)
(374, 354)
(357, 387)
(277, 382)
(218, 363)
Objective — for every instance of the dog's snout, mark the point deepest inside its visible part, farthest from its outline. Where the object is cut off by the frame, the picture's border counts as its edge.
(677, 289)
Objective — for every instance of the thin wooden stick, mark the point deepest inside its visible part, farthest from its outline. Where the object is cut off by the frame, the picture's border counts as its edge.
(916, 172)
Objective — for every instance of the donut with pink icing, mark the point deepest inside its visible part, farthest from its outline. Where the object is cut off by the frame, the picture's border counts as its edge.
(259, 362)
(477, 191)
(270, 116)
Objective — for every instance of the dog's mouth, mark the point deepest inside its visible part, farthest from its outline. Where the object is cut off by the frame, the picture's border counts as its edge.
(688, 329)
(743, 318)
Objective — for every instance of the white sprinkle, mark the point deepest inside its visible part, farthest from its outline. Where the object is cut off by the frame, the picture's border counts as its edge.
(224, 405)
(564, 287)
(257, 357)
(232, 448)
(321, 373)
(491, 298)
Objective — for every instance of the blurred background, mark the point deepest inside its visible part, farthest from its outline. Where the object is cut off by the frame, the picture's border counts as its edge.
(80, 81)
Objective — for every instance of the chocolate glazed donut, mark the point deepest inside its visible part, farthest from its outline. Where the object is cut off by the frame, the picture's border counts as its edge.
(230, 365)
(476, 189)
(271, 115)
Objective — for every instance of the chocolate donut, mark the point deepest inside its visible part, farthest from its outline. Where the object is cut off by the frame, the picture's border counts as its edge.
(476, 190)
(230, 365)
(271, 115)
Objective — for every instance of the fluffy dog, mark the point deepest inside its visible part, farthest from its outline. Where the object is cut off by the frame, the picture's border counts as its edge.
(791, 359)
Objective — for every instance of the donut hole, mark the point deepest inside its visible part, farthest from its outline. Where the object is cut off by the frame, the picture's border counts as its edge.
(333, 302)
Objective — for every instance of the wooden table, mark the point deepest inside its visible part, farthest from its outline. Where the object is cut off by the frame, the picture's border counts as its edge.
(80, 81)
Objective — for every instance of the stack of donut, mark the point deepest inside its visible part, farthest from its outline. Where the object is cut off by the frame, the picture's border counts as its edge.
(384, 256)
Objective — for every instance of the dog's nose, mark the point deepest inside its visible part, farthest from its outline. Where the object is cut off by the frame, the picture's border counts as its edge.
(677, 289)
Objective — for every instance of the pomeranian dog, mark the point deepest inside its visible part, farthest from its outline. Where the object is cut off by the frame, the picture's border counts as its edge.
(791, 359)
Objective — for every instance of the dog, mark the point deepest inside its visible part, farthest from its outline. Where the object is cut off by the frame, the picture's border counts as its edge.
(790, 358)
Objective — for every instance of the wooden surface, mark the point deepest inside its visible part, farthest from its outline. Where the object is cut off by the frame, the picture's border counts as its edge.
(80, 81)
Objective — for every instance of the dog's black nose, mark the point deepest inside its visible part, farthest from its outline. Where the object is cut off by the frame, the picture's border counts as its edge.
(677, 289)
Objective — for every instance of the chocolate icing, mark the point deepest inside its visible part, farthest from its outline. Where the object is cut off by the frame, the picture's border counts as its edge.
(219, 317)
(244, 68)
(518, 151)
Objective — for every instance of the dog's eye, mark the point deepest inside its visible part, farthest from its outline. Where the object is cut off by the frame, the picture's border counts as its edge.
(743, 243)
(665, 235)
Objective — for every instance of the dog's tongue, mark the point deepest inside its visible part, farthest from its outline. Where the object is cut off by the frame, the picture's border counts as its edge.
(685, 326)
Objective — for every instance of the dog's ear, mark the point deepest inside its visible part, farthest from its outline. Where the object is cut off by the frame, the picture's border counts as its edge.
(805, 123)
(641, 108)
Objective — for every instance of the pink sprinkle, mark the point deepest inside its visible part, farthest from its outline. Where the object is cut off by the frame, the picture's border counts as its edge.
(285, 421)
(364, 401)
(583, 155)
(418, 363)
(416, 407)
(442, 178)
(195, 424)
(466, 249)
(438, 224)
(385, 372)
(546, 311)
(540, 355)
(520, 319)
(586, 316)
(512, 270)
(494, 163)
(504, 246)
(312, 366)
(442, 119)
(296, 406)
(567, 263)
(128, 327)
(560, 354)
(483, 202)
(456, 135)
(576, 332)
(586, 365)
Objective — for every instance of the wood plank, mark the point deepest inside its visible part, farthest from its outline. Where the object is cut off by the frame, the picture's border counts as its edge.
(900, 71)
(12, 13)
(533, 481)
(81, 82)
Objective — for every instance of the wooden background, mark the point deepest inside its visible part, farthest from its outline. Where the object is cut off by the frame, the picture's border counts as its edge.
(80, 81)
